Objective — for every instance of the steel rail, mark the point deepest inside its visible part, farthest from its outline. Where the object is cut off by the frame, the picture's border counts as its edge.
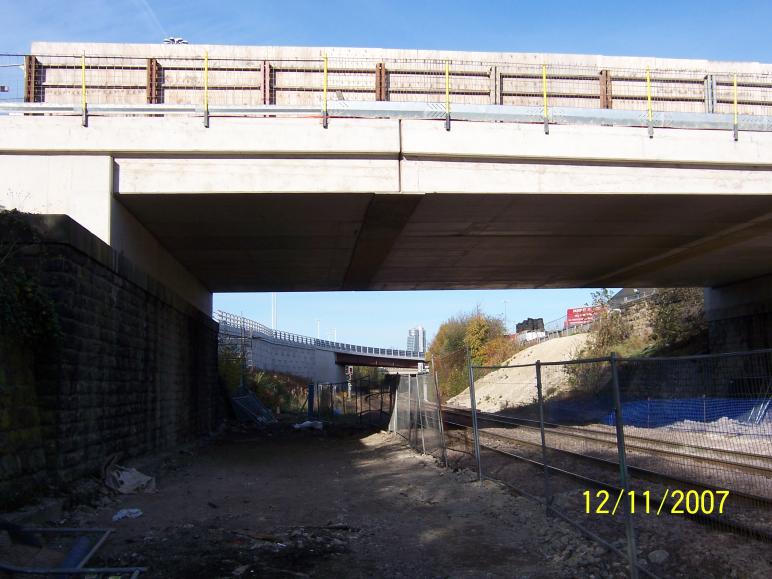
(699, 517)
(642, 472)
(429, 110)
(581, 433)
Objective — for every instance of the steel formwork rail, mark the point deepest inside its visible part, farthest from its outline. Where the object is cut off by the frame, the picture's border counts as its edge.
(428, 111)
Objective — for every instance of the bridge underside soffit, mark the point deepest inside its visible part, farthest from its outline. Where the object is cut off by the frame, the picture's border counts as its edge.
(365, 241)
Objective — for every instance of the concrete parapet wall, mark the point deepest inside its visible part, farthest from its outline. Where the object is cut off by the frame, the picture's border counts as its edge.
(305, 361)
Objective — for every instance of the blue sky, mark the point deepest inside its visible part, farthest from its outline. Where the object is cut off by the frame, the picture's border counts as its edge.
(685, 29)
(690, 29)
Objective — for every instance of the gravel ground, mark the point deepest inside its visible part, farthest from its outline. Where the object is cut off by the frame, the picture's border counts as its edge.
(693, 550)
(328, 504)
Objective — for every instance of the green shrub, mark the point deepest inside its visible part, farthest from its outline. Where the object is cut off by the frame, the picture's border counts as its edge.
(677, 315)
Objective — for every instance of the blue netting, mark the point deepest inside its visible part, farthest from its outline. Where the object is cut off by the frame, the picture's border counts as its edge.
(662, 412)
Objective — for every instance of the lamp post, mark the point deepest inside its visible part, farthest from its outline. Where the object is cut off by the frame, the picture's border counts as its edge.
(317, 330)
(506, 329)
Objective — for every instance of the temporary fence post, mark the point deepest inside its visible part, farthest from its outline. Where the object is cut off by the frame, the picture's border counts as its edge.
(648, 412)
(333, 388)
(547, 497)
(395, 413)
(83, 107)
(439, 414)
(310, 409)
(324, 95)
(420, 414)
(650, 114)
(206, 89)
(475, 430)
(409, 411)
(632, 551)
(380, 395)
(544, 95)
(734, 83)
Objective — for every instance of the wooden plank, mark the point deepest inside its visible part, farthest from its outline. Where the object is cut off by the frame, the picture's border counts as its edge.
(154, 84)
(495, 86)
(605, 89)
(381, 82)
(33, 92)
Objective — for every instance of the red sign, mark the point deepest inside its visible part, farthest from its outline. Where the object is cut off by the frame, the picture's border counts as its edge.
(580, 316)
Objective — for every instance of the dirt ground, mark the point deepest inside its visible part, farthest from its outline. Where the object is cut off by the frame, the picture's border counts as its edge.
(286, 503)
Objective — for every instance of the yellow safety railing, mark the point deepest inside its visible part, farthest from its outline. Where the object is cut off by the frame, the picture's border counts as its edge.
(206, 88)
(734, 83)
(649, 111)
(544, 97)
(83, 81)
(83, 88)
(324, 94)
(447, 95)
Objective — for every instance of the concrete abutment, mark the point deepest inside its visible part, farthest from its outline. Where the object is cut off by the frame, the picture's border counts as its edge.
(739, 315)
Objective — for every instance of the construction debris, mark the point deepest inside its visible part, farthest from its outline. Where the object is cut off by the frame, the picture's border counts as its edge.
(309, 425)
(128, 481)
(127, 514)
(249, 409)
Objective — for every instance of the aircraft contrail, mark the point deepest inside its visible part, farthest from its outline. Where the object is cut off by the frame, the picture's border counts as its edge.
(145, 7)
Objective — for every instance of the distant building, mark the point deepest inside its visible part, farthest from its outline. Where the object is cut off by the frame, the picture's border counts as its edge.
(416, 339)
(530, 325)
(630, 294)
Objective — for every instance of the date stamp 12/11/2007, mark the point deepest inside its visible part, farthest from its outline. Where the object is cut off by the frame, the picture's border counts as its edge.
(691, 502)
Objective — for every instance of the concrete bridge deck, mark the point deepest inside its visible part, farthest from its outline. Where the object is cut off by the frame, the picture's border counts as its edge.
(256, 203)
(282, 204)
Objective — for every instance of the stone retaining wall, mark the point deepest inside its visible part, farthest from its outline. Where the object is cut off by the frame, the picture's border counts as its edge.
(134, 372)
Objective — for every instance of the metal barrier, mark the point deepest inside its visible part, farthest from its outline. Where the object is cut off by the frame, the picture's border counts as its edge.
(417, 414)
(360, 400)
(241, 327)
(630, 448)
(325, 87)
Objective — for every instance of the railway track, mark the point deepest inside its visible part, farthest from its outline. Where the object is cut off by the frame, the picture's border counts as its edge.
(752, 463)
(665, 449)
